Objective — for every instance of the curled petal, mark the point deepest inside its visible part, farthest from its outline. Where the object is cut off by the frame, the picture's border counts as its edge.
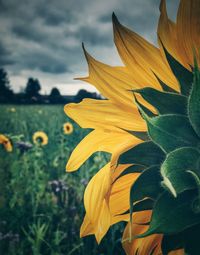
(99, 140)
(104, 114)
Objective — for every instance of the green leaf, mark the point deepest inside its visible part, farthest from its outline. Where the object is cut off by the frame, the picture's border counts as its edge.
(147, 185)
(164, 102)
(174, 169)
(194, 103)
(183, 76)
(171, 131)
(171, 243)
(172, 215)
(145, 154)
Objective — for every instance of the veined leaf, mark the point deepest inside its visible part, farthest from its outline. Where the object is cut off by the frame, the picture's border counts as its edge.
(164, 102)
(172, 215)
(183, 76)
(194, 103)
(171, 131)
(147, 185)
(145, 154)
(174, 169)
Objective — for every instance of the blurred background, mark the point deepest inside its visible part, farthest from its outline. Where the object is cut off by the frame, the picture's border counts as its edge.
(41, 206)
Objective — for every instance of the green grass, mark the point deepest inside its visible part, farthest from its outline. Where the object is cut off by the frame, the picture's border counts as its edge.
(41, 206)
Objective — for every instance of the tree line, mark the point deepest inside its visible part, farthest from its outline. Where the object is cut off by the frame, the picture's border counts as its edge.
(31, 93)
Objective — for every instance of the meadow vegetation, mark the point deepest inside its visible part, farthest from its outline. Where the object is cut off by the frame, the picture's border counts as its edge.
(41, 205)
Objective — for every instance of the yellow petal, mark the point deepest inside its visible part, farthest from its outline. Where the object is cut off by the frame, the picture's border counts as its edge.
(141, 246)
(86, 227)
(6, 143)
(114, 83)
(141, 57)
(104, 114)
(188, 29)
(98, 140)
(167, 33)
(120, 191)
(96, 206)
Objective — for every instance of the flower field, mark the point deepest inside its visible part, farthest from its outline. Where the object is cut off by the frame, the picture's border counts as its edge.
(41, 205)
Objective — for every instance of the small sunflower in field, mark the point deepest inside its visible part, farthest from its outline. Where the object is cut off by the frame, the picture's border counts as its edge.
(68, 128)
(150, 124)
(40, 138)
(13, 109)
(6, 143)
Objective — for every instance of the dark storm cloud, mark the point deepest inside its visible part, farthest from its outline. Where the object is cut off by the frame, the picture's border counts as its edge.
(5, 56)
(46, 35)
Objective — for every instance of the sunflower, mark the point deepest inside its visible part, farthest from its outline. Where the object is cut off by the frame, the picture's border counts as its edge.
(13, 109)
(40, 138)
(150, 125)
(6, 143)
(67, 128)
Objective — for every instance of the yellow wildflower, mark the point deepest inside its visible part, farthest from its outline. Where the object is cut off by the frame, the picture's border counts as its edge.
(40, 138)
(67, 128)
(6, 143)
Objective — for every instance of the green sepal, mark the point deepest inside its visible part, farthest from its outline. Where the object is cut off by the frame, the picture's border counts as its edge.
(147, 185)
(130, 170)
(145, 154)
(172, 215)
(143, 205)
(174, 169)
(182, 74)
(170, 131)
(171, 243)
(141, 135)
(164, 102)
(194, 102)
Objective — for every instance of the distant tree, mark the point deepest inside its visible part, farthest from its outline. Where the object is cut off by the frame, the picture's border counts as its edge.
(6, 94)
(55, 96)
(82, 93)
(32, 88)
(54, 92)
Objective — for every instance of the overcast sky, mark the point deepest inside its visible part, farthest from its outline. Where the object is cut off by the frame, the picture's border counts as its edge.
(42, 38)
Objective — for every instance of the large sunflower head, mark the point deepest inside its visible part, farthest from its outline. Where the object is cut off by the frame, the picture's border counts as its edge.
(40, 138)
(68, 128)
(6, 143)
(150, 123)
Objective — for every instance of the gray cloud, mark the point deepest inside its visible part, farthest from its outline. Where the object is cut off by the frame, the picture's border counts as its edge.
(44, 36)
